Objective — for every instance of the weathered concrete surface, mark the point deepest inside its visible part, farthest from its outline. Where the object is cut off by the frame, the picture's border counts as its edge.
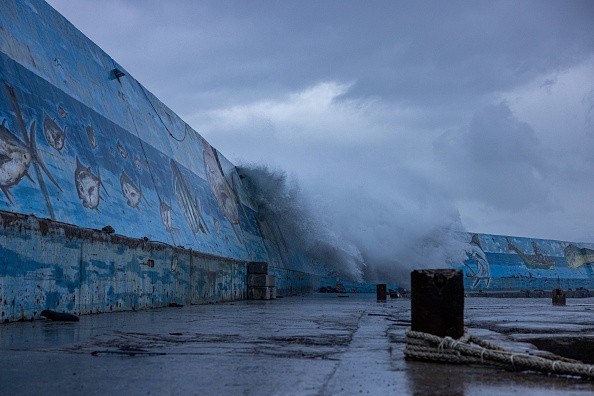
(46, 264)
(315, 345)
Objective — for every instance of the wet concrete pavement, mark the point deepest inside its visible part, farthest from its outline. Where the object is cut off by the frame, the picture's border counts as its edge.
(312, 345)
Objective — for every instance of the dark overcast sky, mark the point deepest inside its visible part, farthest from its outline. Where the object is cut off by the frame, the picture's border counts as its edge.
(393, 115)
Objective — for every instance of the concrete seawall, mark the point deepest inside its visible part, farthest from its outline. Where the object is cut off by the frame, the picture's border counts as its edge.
(87, 146)
(504, 263)
(49, 265)
(45, 264)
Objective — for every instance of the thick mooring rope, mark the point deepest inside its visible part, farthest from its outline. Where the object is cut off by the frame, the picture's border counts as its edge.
(472, 350)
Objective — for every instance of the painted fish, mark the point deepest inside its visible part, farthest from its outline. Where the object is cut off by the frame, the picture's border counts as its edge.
(219, 186)
(223, 193)
(91, 136)
(167, 216)
(53, 134)
(533, 261)
(87, 186)
(122, 151)
(217, 227)
(477, 254)
(235, 183)
(132, 193)
(63, 113)
(190, 205)
(14, 165)
(15, 158)
(577, 257)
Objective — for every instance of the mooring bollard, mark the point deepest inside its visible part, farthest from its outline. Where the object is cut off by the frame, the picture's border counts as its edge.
(559, 297)
(381, 292)
(437, 302)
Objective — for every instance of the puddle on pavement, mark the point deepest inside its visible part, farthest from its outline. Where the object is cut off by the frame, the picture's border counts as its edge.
(579, 348)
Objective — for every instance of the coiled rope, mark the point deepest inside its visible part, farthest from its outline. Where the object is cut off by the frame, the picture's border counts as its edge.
(472, 350)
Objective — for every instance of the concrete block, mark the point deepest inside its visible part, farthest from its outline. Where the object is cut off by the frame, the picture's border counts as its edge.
(262, 293)
(259, 280)
(258, 268)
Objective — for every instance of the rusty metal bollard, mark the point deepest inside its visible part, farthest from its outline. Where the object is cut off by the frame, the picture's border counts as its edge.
(381, 292)
(559, 297)
(437, 302)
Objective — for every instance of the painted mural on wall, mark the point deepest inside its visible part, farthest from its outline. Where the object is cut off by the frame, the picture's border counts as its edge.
(18, 155)
(494, 261)
(62, 160)
(85, 150)
(477, 263)
(578, 257)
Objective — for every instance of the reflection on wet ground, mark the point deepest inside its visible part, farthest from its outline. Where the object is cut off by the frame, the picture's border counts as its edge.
(317, 344)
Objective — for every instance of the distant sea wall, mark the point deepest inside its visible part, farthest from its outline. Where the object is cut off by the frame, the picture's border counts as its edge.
(498, 262)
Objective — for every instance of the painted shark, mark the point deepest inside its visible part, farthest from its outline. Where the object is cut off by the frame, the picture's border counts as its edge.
(122, 150)
(53, 134)
(166, 216)
(15, 158)
(91, 137)
(482, 270)
(224, 195)
(63, 113)
(132, 193)
(87, 186)
(190, 205)
(16, 155)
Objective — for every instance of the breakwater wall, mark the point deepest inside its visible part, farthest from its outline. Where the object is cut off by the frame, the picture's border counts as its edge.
(84, 146)
(500, 262)
(46, 264)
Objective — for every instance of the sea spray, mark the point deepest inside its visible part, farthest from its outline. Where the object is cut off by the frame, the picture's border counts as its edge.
(356, 234)
(280, 201)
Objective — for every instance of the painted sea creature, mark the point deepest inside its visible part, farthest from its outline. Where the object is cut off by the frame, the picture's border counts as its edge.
(577, 257)
(88, 185)
(122, 151)
(15, 158)
(224, 195)
(91, 136)
(54, 135)
(138, 163)
(63, 113)
(481, 271)
(235, 183)
(16, 155)
(533, 261)
(189, 203)
(167, 216)
(132, 193)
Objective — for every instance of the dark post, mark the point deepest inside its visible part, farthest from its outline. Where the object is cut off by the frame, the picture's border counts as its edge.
(437, 302)
(559, 297)
(381, 292)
